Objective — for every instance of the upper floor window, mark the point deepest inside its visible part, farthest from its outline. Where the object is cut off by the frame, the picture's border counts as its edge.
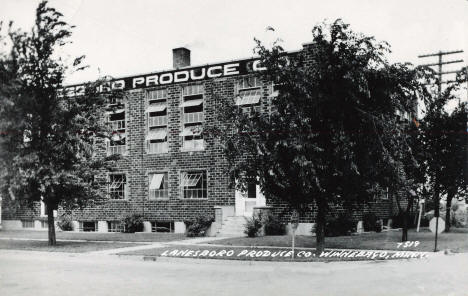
(192, 117)
(249, 93)
(158, 185)
(117, 186)
(156, 140)
(117, 123)
(194, 184)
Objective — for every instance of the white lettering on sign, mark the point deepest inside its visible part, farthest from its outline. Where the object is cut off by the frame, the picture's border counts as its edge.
(256, 66)
(211, 71)
(231, 69)
(137, 81)
(152, 80)
(181, 76)
(178, 76)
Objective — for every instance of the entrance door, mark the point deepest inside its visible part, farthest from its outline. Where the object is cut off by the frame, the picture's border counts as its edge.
(246, 201)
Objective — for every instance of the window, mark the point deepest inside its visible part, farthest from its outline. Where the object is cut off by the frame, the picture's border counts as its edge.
(162, 226)
(158, 186)
(192, 117)
(117, 186)
(116, 122)
(27, 223)
(194, 184)
(274, 92)
(249, 93)
(156, 139)
(44, 224)
(385, 194)
(88, 226)
(115, 226)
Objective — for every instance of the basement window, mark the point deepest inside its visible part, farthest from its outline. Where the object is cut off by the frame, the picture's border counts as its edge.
(159, 226)
(88, 226)
(115, 226)
(27, 223)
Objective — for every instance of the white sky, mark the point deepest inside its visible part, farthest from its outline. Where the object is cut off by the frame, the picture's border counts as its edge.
(132, 37)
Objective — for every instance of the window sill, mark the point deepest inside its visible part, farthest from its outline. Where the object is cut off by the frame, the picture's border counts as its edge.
(204, 198)
(191, 150)
(158, 199)
(157, 153)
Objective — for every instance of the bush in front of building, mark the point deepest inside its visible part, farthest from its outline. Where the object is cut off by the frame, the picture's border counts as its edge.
(253, 226)
(199, 226)
(272, 225)
(133, 223)
(369, 222)
(340, 225)
(65, 223)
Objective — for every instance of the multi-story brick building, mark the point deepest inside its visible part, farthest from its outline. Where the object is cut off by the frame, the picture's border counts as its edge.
(169, 173)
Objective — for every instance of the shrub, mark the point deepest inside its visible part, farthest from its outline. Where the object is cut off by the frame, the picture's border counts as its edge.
(369, 222)
(65, 223)
(342, 224)
(198, 226)
(133, 223)
(378, 226)
(253, 225)
(273, 226)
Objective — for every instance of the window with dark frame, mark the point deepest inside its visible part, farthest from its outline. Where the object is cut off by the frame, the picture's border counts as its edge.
(117, 186)
(194, 184)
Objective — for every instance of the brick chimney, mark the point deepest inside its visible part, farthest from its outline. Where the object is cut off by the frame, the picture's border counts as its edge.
(180, 57)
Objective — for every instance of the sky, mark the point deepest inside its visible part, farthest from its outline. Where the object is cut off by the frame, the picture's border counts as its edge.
(122, 38)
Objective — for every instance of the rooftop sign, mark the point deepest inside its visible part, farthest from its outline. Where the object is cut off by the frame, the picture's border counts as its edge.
(175, 76)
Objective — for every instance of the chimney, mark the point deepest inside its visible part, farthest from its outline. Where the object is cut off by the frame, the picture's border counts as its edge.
(180, 57)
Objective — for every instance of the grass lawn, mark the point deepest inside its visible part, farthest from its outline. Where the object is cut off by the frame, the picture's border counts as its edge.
(70, 247)
(457, 241)
(96, 236)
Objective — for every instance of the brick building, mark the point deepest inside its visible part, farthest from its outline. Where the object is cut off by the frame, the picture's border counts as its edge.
(169, 173)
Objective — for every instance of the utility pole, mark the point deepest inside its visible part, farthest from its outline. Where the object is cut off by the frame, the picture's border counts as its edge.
(440, 74)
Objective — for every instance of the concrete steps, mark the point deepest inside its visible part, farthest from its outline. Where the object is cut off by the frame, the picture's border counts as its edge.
(232, 226)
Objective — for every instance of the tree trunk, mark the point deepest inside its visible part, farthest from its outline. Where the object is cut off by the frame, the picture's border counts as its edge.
(51, 225)
(436, 212)
(320, 227)
(450, 195)
(404, 232)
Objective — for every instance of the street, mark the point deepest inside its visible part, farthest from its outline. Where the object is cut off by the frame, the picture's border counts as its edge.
(48, 273)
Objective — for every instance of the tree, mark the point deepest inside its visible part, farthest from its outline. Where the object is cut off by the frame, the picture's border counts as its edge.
(445, 140)
(328, 138)
(48, 136)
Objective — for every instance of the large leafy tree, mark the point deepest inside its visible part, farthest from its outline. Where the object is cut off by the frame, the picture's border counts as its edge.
(329, 137)
(445, 142)
(47, 136)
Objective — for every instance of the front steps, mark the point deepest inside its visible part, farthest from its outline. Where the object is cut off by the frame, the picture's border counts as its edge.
(232, 226)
